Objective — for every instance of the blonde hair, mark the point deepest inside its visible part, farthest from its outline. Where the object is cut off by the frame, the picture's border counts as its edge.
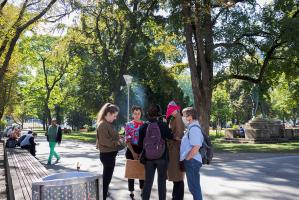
(106, 108)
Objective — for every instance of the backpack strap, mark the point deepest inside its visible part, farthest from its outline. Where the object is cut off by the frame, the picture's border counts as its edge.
(203, 134)
(195, 125)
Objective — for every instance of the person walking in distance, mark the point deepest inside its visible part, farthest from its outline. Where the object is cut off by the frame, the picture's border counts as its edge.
(174, 117)
(106, 142)
(54, 136)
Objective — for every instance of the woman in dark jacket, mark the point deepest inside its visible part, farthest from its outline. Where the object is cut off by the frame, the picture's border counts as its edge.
(152, 164)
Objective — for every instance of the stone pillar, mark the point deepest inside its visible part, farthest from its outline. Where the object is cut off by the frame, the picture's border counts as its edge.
(296, 133)
(288, 133)
(276, 129)
(257, 128)
(230, 133)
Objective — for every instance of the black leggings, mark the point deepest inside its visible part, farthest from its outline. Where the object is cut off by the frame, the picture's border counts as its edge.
(129, 155)
(108, 161)
(178, 190)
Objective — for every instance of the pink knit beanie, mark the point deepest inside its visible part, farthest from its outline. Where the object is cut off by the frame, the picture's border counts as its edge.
(171, 108)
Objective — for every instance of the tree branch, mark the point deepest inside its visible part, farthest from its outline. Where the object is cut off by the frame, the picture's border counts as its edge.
(37, 17)
(3, 3)
(295, 14)
(14, 40)
(237, 40)
(20, 17)
(59, 77)
(217, 16)
(45, 72)
(263, 68)
(268, 58)
(56, 18)
(244, 77)
(226, 3)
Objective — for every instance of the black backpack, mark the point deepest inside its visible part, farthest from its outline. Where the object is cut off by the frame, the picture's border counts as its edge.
(206, 150)
(11, 143)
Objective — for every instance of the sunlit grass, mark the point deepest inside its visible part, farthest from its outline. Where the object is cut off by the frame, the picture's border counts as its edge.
(286, 147)
(82, 136)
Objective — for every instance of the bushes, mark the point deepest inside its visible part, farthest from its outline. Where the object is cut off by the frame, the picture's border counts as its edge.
(2, 124)
(89, 128)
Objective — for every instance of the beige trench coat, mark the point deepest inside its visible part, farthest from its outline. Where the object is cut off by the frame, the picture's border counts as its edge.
(177, 127)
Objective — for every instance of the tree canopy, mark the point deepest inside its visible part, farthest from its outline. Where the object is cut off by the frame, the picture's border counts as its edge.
(231, 47)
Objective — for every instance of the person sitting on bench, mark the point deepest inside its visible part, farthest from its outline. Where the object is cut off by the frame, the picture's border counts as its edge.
(27, 142)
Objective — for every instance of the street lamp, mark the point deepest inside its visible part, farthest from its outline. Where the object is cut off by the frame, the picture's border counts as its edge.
(128, 80)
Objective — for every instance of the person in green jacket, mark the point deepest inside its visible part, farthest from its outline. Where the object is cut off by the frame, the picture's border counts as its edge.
(54, 136)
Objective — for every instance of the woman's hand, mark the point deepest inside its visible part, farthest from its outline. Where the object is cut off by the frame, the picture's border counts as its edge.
(135, 156)
(192, 152)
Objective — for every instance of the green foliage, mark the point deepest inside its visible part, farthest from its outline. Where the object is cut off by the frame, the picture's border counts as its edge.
(3, 124)
(184, 81)
(285, 99)
(221, 106)
(240, 99)
(93, 51)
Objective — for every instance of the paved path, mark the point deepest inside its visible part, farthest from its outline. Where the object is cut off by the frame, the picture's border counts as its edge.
(245, 176)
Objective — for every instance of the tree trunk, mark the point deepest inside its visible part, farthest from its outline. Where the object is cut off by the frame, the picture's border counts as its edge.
(200, 57)
(1, 112)
(44, 124)
(123, 67)
(47, 109)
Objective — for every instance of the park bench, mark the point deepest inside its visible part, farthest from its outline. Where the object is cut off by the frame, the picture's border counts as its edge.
(1, 135)
(22, 169)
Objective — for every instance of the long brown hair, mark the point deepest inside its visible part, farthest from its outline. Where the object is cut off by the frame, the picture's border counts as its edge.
(106, 108)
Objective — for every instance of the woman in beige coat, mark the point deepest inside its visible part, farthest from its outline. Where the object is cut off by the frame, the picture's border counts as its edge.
(174, 172)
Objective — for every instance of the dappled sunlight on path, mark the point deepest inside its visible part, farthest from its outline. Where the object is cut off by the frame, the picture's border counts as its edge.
(246, 176)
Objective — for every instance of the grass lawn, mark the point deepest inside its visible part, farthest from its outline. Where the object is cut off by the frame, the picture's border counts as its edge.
(82, 136)
(288, 147)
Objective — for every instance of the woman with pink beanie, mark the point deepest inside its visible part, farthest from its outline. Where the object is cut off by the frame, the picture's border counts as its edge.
(174, 172)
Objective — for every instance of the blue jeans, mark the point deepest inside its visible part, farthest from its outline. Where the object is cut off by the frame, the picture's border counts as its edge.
(192, 168)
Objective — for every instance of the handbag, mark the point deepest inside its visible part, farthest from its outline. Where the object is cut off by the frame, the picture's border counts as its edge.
(134, 170)
(11, 143)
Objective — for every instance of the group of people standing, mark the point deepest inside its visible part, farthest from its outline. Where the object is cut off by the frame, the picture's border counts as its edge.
(180, 135)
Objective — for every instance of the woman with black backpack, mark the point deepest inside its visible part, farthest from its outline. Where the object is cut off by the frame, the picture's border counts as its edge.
(155, 154)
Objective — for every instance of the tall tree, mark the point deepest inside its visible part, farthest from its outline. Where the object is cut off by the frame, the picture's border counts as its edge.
(237, 38)
(14, 29)
(117, 27)
(49, 57)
